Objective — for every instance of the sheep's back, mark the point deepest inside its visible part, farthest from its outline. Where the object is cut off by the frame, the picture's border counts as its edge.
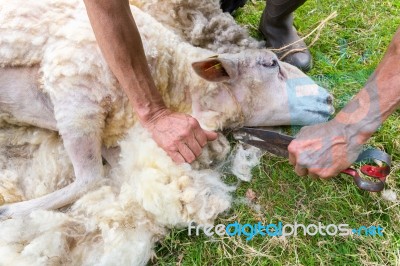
(25, 27)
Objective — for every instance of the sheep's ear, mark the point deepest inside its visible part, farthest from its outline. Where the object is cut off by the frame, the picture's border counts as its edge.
(215, 69)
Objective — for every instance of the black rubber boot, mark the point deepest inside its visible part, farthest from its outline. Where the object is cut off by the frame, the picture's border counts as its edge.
(277, 27)
(231, 5)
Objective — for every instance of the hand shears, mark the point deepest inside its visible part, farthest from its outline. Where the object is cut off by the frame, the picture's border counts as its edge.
(277, 144)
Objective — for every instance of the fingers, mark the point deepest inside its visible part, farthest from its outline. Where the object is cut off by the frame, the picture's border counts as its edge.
(186, 152)
(313, 176)
(292, 149)
(211, 135)
(176, 157)
(325, 173)
(301, 171)
(191, 149)
(180, 135)
(192, 145)
(199, 133)
(202, 135)
(292, 159)
(315, 173)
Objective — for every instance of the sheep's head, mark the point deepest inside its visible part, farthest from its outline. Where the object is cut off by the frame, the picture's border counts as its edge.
(254, 88)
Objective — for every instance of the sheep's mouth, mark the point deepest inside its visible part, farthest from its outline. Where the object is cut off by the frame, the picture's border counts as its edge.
(281, 74)
(321, 113)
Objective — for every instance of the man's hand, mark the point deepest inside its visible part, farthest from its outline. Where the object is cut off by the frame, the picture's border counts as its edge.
(180, 135)
(324, 150)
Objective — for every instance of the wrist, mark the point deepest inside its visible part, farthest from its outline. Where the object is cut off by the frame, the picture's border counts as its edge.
(147, 115)
(356, 133)
(144, 98)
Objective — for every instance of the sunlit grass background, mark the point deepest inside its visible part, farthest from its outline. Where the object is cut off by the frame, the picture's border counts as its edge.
(346, 53)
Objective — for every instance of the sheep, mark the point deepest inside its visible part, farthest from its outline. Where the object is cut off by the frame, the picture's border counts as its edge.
(54, 77)
(201, 23)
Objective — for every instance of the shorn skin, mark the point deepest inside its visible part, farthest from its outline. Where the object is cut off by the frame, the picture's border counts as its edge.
(68, 75)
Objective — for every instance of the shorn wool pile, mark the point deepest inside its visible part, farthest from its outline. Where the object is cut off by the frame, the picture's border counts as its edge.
(51, 67)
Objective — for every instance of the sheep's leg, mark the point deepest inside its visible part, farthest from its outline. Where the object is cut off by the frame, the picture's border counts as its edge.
(80, 129)
(21, 97)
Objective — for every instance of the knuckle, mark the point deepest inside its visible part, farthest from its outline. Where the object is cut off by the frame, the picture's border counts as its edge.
(171, 154)
(198, 152)
(299, 173)
(324, 174)
(292, 148)
(313, 172)
(202, 137)
(202, 144)
(191, 159)
(193, 122)
(185, 132)
(177, 158)
(172, 147)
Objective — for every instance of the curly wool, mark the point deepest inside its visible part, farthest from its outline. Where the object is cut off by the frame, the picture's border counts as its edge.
(116, 224)
(201, 23)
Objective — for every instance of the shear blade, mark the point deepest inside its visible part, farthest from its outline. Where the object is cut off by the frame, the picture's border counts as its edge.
(267, 135)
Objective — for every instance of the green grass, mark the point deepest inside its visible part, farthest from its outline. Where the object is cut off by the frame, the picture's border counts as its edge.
(346, 53)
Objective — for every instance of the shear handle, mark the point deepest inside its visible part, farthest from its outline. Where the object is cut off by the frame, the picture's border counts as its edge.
(378, 172)
(364, 184)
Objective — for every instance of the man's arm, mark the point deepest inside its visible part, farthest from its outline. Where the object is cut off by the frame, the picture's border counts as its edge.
(180, 135)
(324, 150)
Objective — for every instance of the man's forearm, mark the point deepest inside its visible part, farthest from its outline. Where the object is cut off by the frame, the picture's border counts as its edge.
(377, 100)
(388, 78)
(178, 134)
(120, 43)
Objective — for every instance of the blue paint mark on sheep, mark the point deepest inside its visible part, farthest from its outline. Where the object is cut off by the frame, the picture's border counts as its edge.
(318, 110)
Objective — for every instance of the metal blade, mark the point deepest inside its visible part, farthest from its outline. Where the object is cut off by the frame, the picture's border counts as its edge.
(278, 150)
(267, 135)
(268, 140)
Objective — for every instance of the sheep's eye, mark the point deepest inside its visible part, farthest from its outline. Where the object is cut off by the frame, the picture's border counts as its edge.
(273, 63)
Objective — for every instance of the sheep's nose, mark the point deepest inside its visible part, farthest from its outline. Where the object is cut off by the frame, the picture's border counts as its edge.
(329, 99)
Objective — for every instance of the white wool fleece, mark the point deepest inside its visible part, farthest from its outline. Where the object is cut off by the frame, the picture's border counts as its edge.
(118, 223)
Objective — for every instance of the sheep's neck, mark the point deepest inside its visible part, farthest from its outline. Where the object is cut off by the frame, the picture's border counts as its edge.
(212, 103)
(179, 82)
